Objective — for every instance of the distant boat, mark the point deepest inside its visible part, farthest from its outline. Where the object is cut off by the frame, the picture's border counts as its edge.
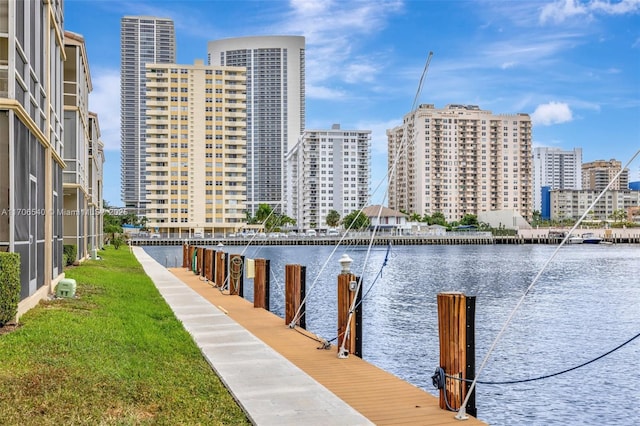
(590, 238)
(575, 239)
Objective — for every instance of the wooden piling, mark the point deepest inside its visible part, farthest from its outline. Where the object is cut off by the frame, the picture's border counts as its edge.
(208, 264)
(185, 255)
(200, 265)
(261, 283)
(191, 250)
(294, 294)
(221, 268)
(346, 295)
(456, 327)
(236, 274)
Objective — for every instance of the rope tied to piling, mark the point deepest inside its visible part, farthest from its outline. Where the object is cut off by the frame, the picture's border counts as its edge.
(439, 370)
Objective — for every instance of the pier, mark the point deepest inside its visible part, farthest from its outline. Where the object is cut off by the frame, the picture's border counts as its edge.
(271, 397)
(379, 396)
(629, 236)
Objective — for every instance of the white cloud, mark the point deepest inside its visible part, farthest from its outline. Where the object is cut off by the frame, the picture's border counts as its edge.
(562, 10)
(333, 31)
(617, 8)
(104, 100)
(323, 92)
(552, 113)
(358, 73)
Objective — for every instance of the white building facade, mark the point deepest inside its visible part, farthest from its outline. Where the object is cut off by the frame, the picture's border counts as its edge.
(96, 186)
(31, 142)
(196, 149)
(557, 169)
(143, 40)
(460, 160)
(275, 107)
(572, 204)
(75, 177)
(328, 170)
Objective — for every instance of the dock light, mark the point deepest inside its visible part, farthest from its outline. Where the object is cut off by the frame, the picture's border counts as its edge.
(345, 264)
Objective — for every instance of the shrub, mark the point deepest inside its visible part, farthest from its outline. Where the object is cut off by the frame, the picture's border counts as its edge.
(9, 286)
(117, 242)
(71, 253)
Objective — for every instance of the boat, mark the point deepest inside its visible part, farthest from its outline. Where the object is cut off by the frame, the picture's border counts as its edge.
(575, 239)
(591, 238)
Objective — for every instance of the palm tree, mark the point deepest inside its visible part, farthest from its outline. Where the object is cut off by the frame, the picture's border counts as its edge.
(618, 215)
(333, 218)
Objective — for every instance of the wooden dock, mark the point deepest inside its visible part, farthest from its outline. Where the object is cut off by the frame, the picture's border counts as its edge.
(378, 395)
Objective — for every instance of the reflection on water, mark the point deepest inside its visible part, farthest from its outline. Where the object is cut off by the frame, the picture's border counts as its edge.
(586, 303)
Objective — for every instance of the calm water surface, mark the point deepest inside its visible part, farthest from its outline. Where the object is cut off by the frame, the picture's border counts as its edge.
(585, 303)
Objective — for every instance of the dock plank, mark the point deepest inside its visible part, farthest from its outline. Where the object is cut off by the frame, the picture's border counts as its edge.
(377, 394)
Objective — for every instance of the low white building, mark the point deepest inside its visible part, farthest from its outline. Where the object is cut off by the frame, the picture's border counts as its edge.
(566, 204)
(506, 219)
(385, 219)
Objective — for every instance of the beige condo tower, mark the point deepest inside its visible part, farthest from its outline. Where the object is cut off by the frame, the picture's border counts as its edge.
(196, 149)
(460, 160)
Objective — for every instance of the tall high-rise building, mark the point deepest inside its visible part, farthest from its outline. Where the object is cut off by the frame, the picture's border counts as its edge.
(328, 170)
(196, 149)
(597, 175)
(556, 169)
(31, 142)
(143, 40)
(275, 107)
(460, 160)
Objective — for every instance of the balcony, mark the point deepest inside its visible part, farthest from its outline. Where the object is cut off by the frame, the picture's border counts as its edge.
(235, 96)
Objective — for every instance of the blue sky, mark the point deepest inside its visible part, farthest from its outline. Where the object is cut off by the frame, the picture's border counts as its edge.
(573, 65)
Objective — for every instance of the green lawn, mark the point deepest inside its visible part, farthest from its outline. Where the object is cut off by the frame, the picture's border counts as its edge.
(115, 354)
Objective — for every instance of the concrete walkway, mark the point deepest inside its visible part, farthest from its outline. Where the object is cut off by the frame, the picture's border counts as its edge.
(269, 388)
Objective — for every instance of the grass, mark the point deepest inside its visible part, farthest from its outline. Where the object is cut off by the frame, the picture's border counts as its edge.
(114, 355)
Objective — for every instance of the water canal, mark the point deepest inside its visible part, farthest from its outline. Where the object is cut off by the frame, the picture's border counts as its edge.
(586, 303)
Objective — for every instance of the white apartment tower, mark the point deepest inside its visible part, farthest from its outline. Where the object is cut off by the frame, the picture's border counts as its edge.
(557, 169)
(460, 160)
(275, 107)
(143, 40)
(196, 149)
(328, 170)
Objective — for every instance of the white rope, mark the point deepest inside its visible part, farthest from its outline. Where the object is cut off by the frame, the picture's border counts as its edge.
(462, 412)
(403, 146)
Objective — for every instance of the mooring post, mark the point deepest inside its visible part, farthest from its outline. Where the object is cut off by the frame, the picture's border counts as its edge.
(456, 327)
(189, 256)
(347, 286)
(236, 274)
(185, 255)
(192, 249)
(200, 265)
(221, 270)
(208, 264)
(261, 283)
(294, 294)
